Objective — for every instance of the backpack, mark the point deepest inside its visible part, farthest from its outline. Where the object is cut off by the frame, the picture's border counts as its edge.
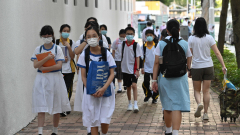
(174, 60)
(100, 41)
(72, 60)
(155, 40)
(134, 50)
(144, 55)
(87, 56)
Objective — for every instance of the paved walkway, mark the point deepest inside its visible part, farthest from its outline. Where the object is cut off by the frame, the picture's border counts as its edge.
(147, 121)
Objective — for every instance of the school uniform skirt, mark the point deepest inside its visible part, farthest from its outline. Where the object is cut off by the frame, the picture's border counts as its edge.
(97, 110)
(79, 94)
(50, 94)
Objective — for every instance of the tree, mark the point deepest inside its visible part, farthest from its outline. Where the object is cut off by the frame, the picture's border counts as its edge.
(235, 5)
(205, 10)
(222, 27)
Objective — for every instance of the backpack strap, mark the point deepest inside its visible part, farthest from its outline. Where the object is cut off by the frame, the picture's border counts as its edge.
(123, 45)
(104, 53)
(40, 48)
(87, 58)
(134, 48)
(144, 54)
(57, 41)
(71, 42)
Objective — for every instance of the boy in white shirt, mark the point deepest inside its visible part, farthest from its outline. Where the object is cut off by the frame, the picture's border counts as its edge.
(117, 55)
(131, 52)
(147, 68)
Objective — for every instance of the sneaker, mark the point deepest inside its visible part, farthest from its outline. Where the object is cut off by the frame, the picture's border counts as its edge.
(154, 101)
(68, 112)
(130, 108)
(136, 110)
(119, 91)
(63, 114)
(198, 111)
(205, 116)
(146, 99)
(125, 87)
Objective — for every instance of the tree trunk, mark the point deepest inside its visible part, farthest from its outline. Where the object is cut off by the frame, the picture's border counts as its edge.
(222, 27)
(205, 10)
(235, 5)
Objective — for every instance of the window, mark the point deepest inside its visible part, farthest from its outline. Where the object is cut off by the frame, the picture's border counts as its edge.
(75, 2)
(96, 3)
(110, 4)
(116, 4)
(120, 5)
(86, 3)
(54, 0)
(66, 1)
(124, 5)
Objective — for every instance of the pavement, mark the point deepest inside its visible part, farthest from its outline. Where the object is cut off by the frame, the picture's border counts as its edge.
(148, 121)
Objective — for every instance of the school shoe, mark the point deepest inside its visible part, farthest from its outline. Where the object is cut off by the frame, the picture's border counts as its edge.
(205, 116)
(68, 112)
(53, 134)
(119, 91)
(130, 108)
(146, 99)
(136, 110)
(198, 111)
(154, 101)
(168, 133)
(63, 114)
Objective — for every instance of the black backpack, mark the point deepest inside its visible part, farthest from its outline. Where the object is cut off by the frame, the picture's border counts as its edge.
(100, 41)
(174, 60)
(87, 56)
(144, 55)
(155, 40)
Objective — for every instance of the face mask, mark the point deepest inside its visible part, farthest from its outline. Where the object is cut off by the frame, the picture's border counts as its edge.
(47, 40)
(121, 38)
(104, 32)
(65, 34)
(129, 37)
(149, 38)
(93, 42)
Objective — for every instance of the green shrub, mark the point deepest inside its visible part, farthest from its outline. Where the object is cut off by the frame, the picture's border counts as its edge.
(233, 73)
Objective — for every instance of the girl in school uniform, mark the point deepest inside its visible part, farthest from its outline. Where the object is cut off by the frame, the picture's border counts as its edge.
(97, 110)
(68, 66)
(49, 90)
(103, 30)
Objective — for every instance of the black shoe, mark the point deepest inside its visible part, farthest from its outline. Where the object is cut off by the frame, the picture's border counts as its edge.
(125, 87)
(168, 133)
(89, 134)
(68, 112)
(146, 99)
(154, 101)
(119, 91)
(53, 134)
(63, 114)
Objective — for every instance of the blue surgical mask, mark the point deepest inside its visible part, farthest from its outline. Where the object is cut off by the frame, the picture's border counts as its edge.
(129, 37)
(65, 34)
(104, 32)
(149, 38)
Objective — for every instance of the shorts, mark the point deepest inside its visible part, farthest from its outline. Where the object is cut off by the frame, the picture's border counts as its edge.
(128, 79)
(200, 74)
(118, 70)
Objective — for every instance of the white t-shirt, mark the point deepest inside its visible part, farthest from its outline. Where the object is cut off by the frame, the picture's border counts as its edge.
(81, 61)
(149, 58)
(58, 57)
(117, 46)
(128, 60)
(66, 67)
(185, 23)
(105, 42)
(143, 33)
(201, 51)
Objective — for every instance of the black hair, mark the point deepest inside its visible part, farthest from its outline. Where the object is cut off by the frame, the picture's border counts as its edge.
(63, 26)
(129, 25)
(47, 30)
(173, 27)
(189, 22)
(95, 19)
(91, 24)
(92, 28)
(103, 25)
(157, 27)
(200, 27)
(149, 31)
(149, 23)
(130, 28)
(122, 31)
(164, 34)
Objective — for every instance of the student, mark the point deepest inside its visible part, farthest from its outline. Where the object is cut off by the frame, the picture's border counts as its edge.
(97, 110)
(49, 90)
(117, 55)
(147, 67)
(149, 26)
(68, 66)
(172, 84)
(164, 34)
(103, 30)
(131, 51)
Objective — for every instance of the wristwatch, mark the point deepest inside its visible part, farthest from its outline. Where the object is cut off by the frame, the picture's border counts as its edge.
(138, 69)
(188, 69)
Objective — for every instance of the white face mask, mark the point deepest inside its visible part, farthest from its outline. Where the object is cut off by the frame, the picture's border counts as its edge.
(47, 40)
(121, 38)
(93, 42)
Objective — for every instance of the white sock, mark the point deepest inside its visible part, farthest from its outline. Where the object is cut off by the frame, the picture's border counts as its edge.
(129, 101)
(89, 129)
(135, 103)
(104, 134)
(40, 129)
(55, 130)
(119, 85)
(168, 129)
(175, 132)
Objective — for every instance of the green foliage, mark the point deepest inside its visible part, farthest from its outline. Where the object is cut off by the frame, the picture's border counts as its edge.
(233, 73)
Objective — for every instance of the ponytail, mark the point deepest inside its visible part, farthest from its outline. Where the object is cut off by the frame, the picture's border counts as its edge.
(173, 27)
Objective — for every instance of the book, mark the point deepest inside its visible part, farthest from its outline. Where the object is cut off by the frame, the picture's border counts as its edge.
(49, 63)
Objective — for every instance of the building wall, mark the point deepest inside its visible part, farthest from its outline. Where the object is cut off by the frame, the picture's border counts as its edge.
(21, 21)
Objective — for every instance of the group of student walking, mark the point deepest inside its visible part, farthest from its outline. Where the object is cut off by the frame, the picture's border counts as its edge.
(97, 68)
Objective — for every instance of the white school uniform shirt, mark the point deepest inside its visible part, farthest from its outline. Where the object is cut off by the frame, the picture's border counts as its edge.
(105, 42)
(143, 33)
(149, 58)
(128, 60)
(58, 57)
(201, 51)
(66, 67)
(117, 46)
